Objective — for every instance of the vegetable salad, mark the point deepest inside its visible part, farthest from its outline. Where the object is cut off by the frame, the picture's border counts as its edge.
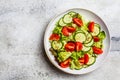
(76, 42)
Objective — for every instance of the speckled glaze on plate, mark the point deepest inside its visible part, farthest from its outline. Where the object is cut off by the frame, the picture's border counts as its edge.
(90, 16)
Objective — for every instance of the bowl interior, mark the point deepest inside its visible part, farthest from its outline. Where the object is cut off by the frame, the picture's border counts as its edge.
(90, 16)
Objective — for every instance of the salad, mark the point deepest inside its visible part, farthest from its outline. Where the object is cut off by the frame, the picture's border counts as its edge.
(76, 42)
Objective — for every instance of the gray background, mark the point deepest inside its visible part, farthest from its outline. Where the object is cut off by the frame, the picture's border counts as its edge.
(22, 26)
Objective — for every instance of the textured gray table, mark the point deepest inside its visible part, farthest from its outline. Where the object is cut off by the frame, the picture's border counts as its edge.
(22, 26)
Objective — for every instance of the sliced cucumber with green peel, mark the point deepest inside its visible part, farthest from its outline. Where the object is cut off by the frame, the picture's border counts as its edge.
(86, 32)
(85, 48)
(79, 31)
(72, 13)
(80, 36)
(57, 45)
(88, 38)
(91, 60)
(67, 19)
(74, 25)
(96, 30)
(90, 52)
(85, 66)
(90, 43)
(61, 23)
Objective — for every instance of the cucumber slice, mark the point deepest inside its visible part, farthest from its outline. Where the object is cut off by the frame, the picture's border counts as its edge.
(96, 30)
(88, 38)
(61, 23)
(79, 31)
(85, 48)
(90, 52)
(74, 25)
(86, 32)
(90, 43)
(95, 55)
(72, 13)
(85, 66)
(57, 45)
(91, 60)
(80, 36)
(67, 18)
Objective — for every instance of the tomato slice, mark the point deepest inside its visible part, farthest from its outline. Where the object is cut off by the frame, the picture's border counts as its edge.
(70, 46)
(96, 39)
(71, 29)
(65, 63)
(81, 60)
(97, 50)
(78, 46)
(65, 31)
(78, 21)
(91, 26)
(86, 58)
(54, 37)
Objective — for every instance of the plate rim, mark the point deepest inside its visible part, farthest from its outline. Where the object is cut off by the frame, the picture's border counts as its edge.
(63, 12)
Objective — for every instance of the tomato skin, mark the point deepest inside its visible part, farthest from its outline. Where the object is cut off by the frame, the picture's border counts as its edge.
(96, 39)
(65, 31)
(78, 21)
(97, 50)
(78, 46)
(70, 46)
(81, 60)
(54, 36)
(91, 26)
(65, 63)
(71, 29)
(86, 58)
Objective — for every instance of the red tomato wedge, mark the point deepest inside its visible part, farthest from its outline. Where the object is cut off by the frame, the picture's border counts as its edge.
(81, 60)
(54, 37)
(66, 30)
(78, 21)
(86, 58)
(71, 29)
(65, 63)
(78, 46)
(97, 50)
(91, 26)
(70, 46)
(96, 39)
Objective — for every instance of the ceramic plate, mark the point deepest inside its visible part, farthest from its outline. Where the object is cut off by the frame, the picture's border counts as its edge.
(90, 16)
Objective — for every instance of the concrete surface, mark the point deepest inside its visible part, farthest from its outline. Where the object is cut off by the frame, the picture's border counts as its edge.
(22, 26)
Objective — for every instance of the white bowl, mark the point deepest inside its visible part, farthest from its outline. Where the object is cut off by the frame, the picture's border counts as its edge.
(90, 16)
